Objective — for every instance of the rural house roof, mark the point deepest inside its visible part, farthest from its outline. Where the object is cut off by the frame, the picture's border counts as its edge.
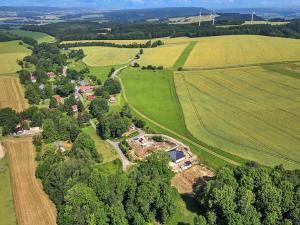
(91, 97)
(51, 74)
(176, 155)
(86, 88)
(74, 108)
(58, 98)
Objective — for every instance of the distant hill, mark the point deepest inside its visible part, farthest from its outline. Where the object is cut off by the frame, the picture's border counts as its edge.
(133, 15)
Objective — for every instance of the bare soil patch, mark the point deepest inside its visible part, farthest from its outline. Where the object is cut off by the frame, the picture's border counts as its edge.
(185, 181)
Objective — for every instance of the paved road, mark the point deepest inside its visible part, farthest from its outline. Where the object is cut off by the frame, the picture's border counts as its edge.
(126, 163)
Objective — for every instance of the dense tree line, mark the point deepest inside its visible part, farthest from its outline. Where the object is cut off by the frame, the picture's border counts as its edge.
(148, 44)
(251, 195)
(131, 31)
(86, 194)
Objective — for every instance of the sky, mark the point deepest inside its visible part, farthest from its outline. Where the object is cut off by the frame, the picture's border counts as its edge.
(118, 4)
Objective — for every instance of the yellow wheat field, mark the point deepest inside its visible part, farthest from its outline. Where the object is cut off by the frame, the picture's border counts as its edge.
(107, 56)
(165, 55)
(11, 94)
(226, 51)
(249, 112)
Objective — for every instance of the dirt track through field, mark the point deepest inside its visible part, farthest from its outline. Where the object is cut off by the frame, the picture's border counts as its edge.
(33, 206)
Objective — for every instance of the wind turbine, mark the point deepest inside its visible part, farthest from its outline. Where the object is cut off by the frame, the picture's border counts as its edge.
(252, 18)
(213, 17)
(200, 18)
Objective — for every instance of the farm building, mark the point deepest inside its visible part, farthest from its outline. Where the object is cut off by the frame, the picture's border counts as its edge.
(64, 71)
(86, 89)
(58, 99)
(74, 108)
(33, 79)
(176, 155)
(112, 99)
(91, 97)
(51, 75)
(42, 87)
(82, 83)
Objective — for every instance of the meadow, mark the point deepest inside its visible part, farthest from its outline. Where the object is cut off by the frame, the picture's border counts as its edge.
(165, 55)
(106, 150)
(154, 94)
(241, 50)
(38, 36)
(7, 209)
(250, 112)
(10, 52)
(105, 56)
(32, 204)
(11, 94)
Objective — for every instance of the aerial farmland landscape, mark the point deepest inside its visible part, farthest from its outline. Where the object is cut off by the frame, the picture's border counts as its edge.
(149, 112)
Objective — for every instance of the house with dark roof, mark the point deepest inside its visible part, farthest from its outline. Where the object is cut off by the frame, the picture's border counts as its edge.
(176, 155)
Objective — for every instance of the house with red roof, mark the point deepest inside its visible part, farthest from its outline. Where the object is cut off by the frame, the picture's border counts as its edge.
(58, 99)
(91, 97)
(51, 75)
(86, 89)
(33, 79)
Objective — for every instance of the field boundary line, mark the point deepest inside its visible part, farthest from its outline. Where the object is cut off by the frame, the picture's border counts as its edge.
(195, 68)
(184, 55)
(173, 132)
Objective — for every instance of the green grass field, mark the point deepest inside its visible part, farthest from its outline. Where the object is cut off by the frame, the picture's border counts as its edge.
(7, 208)
(240, 50)
(10, 52)
(38, 36)
(154, 94)
(165, 55)
(249, 112)
(109, 154)
(106, 56)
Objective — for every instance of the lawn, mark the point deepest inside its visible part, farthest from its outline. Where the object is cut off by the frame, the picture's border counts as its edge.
(10, 51)
(106, 56)
(38, 36)
(250, 112)
(165, 55)
(108, 152)
(7, 209)
(11, 94)
(237, 50)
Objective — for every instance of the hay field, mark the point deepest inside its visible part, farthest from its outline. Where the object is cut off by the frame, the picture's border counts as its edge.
(225, 51)
(38, 36)
(31, 203)
(265, 22)
(11, 94)
(126, 42)
(249, 112)
(165, 55)
(191, 19)
(10, 51)
(107, 56)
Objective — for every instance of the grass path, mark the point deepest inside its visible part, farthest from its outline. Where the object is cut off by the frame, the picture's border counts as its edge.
(230, 161)
(184, 55)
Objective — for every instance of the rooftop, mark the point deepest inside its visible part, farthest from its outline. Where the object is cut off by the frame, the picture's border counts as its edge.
(176, 154)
